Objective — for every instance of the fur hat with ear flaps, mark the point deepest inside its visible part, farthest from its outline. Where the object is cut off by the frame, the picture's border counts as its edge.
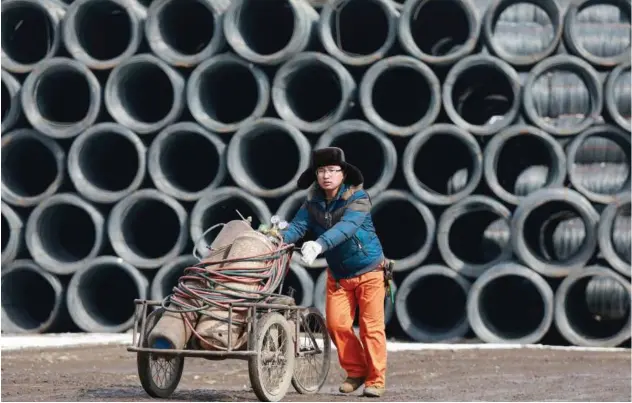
(330, 156)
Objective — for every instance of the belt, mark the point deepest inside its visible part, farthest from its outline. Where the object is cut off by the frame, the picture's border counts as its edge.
(388, 266)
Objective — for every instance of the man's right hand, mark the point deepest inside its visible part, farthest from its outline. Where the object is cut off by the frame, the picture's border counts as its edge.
(310, 251)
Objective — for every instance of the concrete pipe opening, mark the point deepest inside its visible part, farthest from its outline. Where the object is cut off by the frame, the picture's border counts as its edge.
(107, 162)
(12, 234)
(599, 31)
(510, 303)
(614, 234)
(185, 161)
(101, 296)
(251, 166)
(433, 286)
(61, 97)
(269, 32)
(430, 171)
(554, 231)
(24, 183)
(168, 275)
(358, 32)
(148, 228)
(481, 94)
(30, 33)
(221, 206)
(400, 95)
(299, 280)
(287, 210)
(599, 163)
(580, 314)
(11, 107)
(474, 235)
(409, 245)
(369, 149)
(313, 91)
(185, 32)
(562, 95)
(64, 232)
(618, 96)
(523, 32)
(87, 20)
(439, 32)
(32, 299)
(522, 159)
(226, 92)
(144, 94)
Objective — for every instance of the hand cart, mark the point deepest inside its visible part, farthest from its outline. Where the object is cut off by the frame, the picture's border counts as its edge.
(285, 344)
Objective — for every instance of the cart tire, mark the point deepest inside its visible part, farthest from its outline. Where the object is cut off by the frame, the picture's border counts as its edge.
(256, 371)
(145, 370)
(315, 322)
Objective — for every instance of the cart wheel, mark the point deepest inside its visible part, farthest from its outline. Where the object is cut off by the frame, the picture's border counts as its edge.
(159, 374)
(271, 368)
(313, 354)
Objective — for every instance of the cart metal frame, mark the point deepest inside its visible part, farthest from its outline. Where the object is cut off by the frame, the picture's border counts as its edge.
(255, 309)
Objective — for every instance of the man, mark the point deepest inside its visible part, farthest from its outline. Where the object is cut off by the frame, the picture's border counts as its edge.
(337, 211)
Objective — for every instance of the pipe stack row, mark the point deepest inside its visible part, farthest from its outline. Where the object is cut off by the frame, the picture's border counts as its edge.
(494, 138)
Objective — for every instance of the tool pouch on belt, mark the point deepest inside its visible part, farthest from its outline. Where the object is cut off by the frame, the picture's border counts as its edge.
(388, 278)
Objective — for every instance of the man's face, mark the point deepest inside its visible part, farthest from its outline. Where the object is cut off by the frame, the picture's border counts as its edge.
(330, 177)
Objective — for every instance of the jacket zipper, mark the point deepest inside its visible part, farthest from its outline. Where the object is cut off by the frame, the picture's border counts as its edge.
(357, 241)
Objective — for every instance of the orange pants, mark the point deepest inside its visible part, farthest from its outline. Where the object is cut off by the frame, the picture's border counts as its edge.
(365, 357)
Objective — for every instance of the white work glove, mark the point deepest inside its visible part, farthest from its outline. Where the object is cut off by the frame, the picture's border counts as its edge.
(309, 251)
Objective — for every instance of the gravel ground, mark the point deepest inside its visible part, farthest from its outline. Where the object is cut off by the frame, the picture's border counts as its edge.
(108, 373)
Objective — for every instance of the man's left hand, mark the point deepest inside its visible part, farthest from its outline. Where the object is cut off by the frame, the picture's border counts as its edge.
(310, 250)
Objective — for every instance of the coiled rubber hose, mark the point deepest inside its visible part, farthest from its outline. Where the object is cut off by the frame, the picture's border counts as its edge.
(201, 287)
(223, 205)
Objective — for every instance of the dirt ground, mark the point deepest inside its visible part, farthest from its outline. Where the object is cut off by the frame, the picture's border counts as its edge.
(109, 374)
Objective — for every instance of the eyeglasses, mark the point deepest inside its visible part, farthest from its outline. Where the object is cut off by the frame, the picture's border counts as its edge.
(323, 171)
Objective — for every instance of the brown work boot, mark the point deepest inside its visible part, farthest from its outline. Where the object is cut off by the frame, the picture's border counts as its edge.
(374, 391)
(351, 384)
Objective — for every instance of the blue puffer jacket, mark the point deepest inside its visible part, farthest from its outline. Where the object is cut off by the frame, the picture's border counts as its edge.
(344, 229)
